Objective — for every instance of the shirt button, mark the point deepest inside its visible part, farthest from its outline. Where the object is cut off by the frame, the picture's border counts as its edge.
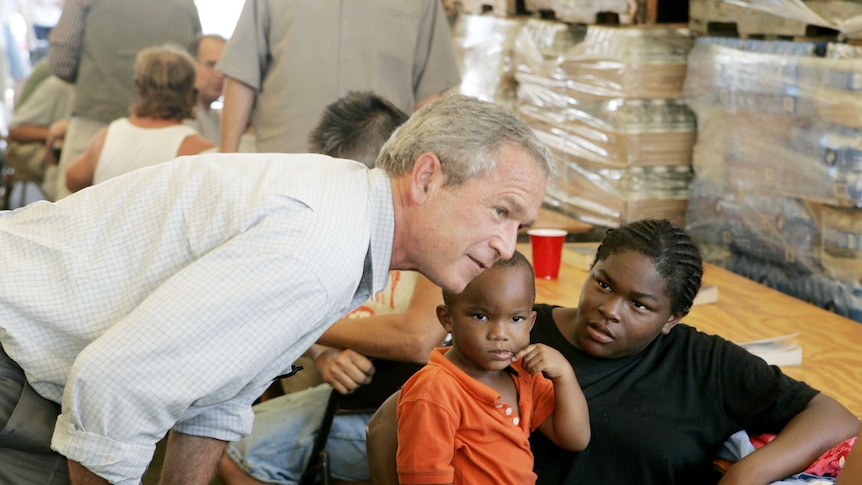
(516, 420)
(508, 411)
(498, 406)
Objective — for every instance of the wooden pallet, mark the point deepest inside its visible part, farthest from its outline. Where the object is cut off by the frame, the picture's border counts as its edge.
(716, 18)
(603, 12)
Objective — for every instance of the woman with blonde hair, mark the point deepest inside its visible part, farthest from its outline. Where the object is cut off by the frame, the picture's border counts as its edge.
(154, 131)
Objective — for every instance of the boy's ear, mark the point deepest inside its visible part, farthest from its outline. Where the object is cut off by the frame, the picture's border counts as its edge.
(443, 316)
(532, 319)
(426, 177)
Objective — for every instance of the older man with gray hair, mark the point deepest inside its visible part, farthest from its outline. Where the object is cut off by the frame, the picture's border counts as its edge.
(169, 298)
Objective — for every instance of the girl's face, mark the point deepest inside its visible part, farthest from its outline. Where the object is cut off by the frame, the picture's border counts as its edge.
(623, 307)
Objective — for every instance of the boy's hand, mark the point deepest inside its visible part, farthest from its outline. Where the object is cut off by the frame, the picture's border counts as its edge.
(544, 359)
(344, 370)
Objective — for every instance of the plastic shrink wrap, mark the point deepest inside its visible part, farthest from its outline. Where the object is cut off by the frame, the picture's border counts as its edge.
(777, 189)
(607, 100)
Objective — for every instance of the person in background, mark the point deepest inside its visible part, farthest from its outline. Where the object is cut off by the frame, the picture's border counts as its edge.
(669, 396)
(287, 60)
(355, 127)
(209, 83)
(37, 129)
(370, 352)
(466, 416)
(170, 298)
(154, 132)
(94, 45)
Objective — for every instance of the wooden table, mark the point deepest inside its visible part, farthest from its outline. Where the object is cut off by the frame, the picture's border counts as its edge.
(551, 219)
(746, 311)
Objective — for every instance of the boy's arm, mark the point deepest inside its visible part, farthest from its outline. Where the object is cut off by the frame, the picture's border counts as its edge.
(569, 426)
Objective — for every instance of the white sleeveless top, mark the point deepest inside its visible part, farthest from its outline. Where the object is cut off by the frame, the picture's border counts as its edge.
(128, 147)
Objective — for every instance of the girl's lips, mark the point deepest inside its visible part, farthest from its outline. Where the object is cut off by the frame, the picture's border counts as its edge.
(599, 333)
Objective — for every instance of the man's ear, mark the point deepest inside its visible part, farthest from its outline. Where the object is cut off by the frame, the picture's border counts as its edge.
(426, 177)
(672, 320)
(443, 317)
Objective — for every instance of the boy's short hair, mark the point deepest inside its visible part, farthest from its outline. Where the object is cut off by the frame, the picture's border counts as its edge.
(518, 260)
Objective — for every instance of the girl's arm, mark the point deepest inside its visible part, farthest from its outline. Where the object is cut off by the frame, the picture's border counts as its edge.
(569, 426)
(820, 426)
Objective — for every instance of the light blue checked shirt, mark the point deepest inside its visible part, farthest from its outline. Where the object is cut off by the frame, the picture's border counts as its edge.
(172, 296)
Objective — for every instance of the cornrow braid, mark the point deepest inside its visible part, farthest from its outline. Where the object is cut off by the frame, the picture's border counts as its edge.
(676, 256)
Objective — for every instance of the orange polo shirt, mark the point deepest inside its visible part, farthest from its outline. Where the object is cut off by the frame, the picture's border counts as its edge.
(454, 429)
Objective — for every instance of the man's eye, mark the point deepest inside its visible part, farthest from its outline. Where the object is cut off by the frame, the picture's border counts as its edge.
(500, 211)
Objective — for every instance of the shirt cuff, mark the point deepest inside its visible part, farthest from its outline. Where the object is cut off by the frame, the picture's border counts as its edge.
(116, 462)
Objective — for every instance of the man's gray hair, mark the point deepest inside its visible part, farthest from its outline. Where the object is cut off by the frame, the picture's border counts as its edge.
(466, 134)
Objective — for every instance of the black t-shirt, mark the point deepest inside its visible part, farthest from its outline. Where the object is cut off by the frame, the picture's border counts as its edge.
(660, 417)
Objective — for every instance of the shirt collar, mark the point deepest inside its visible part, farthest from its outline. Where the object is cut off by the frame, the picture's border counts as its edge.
(382, 226)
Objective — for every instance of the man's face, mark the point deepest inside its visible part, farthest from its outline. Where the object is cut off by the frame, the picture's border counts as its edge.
(462, 230)
(208, 81)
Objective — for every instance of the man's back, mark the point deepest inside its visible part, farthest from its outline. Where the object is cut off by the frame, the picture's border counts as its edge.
(114, 32)
(301, 55)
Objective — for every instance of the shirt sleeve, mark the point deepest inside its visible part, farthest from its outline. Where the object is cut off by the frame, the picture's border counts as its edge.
(436, 67)
(245, 57)
(193, 356)
(426, 437)
(67, 40)
(51, 101)
(759, 396)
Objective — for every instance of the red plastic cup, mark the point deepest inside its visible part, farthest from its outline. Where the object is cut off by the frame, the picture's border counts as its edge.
(547, 250)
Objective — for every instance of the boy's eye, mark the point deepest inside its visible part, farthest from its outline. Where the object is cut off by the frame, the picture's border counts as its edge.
(518, 319)
(480, 316)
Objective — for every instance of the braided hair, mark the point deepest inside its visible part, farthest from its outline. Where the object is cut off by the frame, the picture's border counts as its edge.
(675, 255)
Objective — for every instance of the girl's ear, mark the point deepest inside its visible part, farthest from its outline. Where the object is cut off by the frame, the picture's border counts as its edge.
(672, 320)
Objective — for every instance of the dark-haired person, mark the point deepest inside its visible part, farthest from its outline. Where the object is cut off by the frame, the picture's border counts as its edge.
(355, 127)
(664, 397)
(154, 132)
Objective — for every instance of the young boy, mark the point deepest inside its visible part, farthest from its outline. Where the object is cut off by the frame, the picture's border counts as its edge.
(466, 417)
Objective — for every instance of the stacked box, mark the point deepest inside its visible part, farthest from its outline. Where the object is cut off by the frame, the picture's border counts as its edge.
(778, 164)
(610, 108)
(484, 49)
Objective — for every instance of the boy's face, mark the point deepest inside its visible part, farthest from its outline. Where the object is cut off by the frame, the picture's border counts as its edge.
(490, 320)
